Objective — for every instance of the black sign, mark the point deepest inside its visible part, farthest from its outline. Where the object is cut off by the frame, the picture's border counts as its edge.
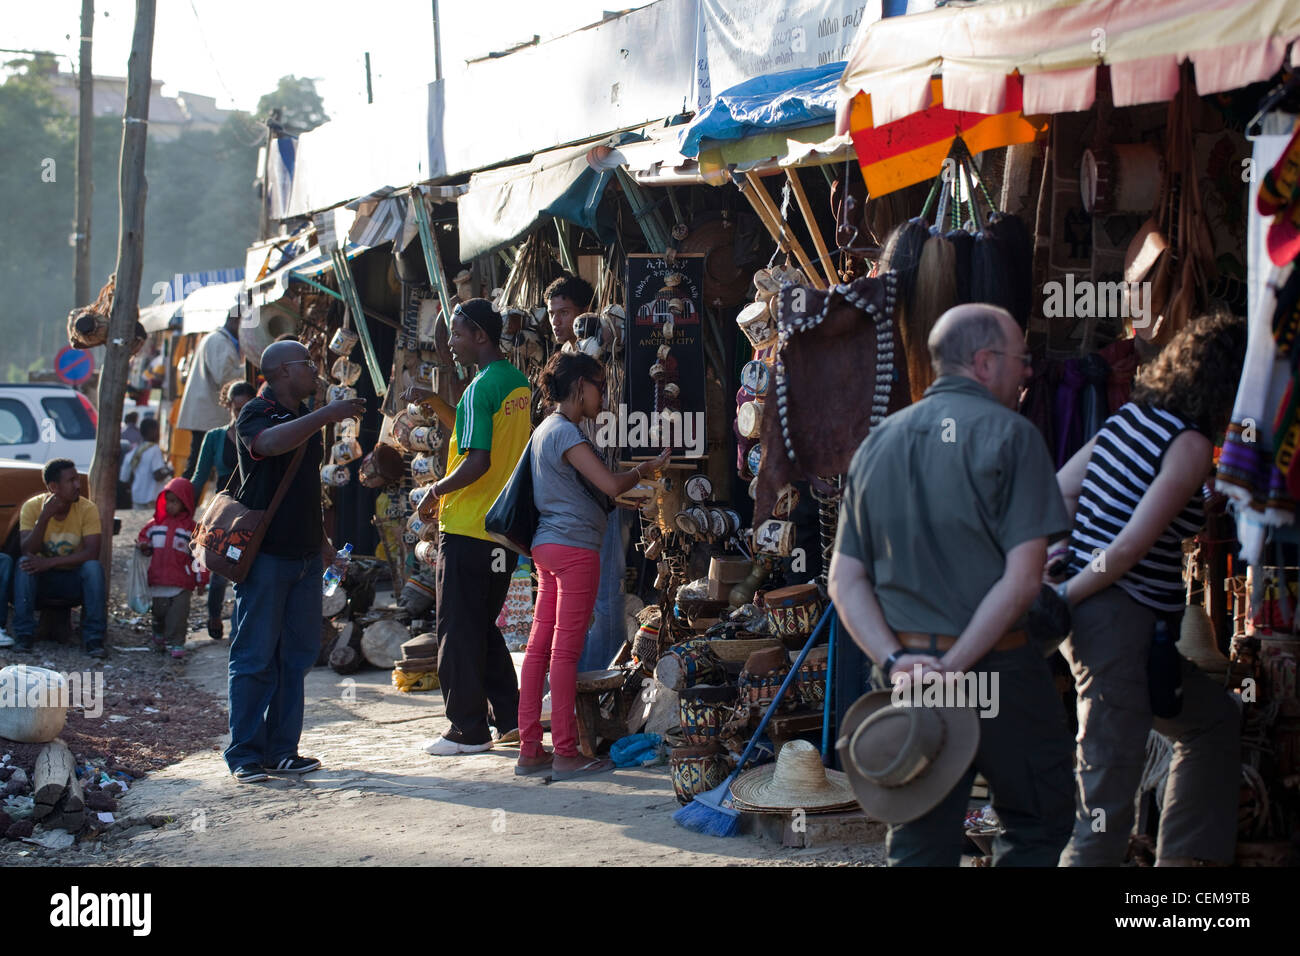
(665, 357)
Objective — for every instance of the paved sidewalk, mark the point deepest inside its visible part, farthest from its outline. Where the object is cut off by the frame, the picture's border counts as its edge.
(380, 800)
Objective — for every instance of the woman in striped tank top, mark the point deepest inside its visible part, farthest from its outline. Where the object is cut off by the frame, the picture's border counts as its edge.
(1134, 493)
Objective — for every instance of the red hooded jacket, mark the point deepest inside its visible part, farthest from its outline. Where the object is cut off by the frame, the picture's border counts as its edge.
(172, 564)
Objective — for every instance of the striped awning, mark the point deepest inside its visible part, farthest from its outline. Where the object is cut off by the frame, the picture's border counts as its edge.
(1057, 45)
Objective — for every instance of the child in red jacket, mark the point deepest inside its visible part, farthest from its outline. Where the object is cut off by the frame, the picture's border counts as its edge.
(172, 574)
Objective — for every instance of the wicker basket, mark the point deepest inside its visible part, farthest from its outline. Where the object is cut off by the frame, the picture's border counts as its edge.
(697, 769)
(703, 711)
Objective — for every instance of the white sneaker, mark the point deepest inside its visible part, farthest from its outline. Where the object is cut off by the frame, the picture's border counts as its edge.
(5, 639)
(442, 747)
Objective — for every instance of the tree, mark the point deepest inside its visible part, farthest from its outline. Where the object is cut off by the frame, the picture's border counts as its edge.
(300, 106)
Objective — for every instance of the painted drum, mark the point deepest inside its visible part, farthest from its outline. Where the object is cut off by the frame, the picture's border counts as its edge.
(775, 537)
(754, 459)
(749, 419)
(336, 476)
(698, 488)
(403, 424)
(341, 393)
(425, 438)
(787, 499)
(347, 372)
(424, 469)
(755, 320)
(345, 451)
(718, 523)
(417, 495)
(792, 612)
(348, 428)
(427, 551)
(343, 342)
(754, 376)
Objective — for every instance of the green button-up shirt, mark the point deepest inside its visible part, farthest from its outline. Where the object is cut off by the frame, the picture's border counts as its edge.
(936, 497)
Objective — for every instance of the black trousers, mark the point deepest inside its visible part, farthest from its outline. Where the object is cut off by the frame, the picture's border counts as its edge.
(196, 442)
(479, 683)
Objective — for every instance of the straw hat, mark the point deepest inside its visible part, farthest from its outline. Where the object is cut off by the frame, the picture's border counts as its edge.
(902, 761)
(796, 781)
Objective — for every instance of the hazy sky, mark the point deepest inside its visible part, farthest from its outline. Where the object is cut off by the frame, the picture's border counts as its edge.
(236, 50)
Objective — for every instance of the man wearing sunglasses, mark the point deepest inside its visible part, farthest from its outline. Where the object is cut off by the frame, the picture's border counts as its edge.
(490, 427)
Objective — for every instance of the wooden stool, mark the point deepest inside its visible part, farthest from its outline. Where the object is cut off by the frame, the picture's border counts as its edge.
(54, 621)
(593, 725)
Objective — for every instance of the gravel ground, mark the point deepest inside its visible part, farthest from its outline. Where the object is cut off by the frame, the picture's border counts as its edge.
(143, 716)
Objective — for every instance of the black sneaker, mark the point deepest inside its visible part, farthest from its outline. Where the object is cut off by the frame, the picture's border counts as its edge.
(22, 647)
(296, 765)
(96, 652)
(251, 773)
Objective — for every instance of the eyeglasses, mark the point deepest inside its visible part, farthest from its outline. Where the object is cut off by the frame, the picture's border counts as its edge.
(1026, 359)
(302, 362)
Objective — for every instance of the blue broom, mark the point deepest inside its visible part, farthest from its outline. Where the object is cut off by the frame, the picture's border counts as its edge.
(713, 812)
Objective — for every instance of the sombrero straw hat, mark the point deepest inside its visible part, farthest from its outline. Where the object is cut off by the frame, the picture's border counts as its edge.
(902, 761)
(796, 781)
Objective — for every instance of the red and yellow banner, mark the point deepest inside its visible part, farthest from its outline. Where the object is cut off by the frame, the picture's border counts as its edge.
(912, 150)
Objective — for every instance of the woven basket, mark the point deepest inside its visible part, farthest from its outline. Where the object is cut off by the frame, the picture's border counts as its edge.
(703, 711)
(697, 769)
(738, 651)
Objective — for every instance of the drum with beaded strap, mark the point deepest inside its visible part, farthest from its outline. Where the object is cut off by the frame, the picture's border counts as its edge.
(792, 612)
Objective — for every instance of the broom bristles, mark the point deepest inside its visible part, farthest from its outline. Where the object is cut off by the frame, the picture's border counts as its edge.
(702, 818)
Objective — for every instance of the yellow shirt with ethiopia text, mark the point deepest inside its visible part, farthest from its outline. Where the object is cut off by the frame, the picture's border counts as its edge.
(492, 414)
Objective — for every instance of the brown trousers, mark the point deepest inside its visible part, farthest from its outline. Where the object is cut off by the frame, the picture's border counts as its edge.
(1108, 657)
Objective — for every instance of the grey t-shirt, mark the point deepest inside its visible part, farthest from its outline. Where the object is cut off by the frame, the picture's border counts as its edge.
(568, 514)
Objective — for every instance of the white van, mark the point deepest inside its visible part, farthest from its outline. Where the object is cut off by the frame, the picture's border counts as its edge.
(43, 421)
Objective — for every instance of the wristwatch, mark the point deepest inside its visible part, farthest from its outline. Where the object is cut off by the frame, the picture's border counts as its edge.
(891, 660)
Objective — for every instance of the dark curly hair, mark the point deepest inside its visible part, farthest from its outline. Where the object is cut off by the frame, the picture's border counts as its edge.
(574, 288)
(564, 370)
(232, 390)
(1195, 376)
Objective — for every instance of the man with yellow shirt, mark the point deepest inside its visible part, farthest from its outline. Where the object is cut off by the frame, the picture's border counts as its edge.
(60, 533)
(490, 428)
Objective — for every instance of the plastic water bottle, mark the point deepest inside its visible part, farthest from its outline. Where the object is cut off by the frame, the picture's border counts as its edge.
(334, 573)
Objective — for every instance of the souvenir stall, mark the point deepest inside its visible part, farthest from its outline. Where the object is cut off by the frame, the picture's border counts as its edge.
(1139, 218)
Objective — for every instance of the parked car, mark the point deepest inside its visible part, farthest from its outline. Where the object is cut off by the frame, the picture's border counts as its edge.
(20, 480)
(43, 421)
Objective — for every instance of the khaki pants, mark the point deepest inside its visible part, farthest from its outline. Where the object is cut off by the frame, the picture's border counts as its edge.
(1108, 657)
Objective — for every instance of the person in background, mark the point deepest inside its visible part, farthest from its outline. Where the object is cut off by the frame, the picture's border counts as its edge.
(60, 533)
(1134, 494)
(490, 427)
(130, 433)
(566, 551)
(275, 637)
(220, 454)
(144, 469)
(567, 298)
(216, 361)
(166, 540)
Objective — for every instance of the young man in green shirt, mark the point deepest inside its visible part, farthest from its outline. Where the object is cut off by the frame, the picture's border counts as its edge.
(490, 428)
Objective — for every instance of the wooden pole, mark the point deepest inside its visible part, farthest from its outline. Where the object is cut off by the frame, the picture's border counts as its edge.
(810, 220)
(130, 263)
(762, 202)
(85, 133)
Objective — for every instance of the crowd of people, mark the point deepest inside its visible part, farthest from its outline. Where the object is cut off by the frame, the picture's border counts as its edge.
(937, 570)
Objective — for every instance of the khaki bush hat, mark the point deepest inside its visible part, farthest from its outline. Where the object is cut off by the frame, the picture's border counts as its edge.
(902, 761)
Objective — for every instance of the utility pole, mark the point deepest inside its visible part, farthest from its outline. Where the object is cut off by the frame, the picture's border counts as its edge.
(130, 263)
(370, 95)
(85, 132)
(437, 43)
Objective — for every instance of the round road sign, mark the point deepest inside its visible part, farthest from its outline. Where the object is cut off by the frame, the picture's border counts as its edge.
(73, 366)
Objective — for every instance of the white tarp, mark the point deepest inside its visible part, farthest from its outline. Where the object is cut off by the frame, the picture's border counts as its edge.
(206, 309)
(741, 39)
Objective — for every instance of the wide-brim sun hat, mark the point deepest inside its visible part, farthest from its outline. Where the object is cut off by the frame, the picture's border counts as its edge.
(796, 781)
(901, 761)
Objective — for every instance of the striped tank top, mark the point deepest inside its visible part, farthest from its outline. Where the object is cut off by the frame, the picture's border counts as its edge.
(1125, 461)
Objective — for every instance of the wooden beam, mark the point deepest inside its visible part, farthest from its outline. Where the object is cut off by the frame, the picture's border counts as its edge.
(762, 202)
(810, 220)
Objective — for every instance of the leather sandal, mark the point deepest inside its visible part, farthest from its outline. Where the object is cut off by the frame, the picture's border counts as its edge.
(530, 766)
(590, 768)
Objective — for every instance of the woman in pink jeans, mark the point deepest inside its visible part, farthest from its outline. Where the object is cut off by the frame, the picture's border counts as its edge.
(566, 551)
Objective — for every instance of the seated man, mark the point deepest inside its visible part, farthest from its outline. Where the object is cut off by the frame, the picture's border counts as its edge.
(59, 558)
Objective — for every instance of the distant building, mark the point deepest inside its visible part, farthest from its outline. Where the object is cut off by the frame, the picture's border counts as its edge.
(168, 116)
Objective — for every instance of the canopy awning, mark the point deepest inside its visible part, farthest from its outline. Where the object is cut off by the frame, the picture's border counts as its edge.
(276, 273)
(206, 309)
(1057, 45)
(157, 317)
(503, 204)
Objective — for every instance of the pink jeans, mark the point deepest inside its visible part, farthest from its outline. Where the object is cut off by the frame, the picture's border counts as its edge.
(567, 579)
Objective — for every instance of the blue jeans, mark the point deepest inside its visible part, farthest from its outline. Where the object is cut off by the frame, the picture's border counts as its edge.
(6, 576)
(274, 642)
(84, 584)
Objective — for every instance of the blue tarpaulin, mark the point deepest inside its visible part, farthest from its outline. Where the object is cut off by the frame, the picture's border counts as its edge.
(776, 101)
